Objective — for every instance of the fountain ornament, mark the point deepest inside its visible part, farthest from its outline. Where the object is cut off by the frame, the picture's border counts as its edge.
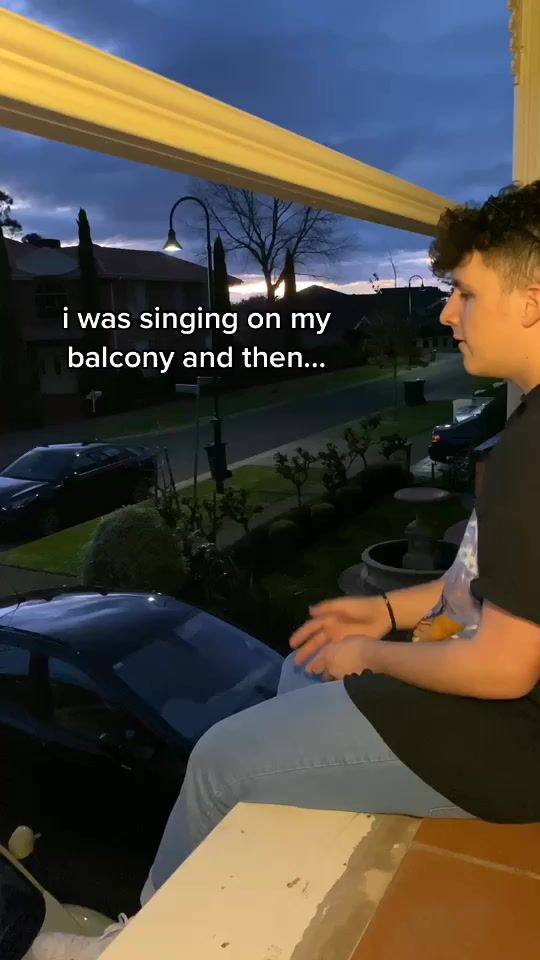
(417, 558)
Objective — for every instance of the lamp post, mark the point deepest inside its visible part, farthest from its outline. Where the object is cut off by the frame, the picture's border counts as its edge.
(172, 244)
(415, 276)
(216, 450)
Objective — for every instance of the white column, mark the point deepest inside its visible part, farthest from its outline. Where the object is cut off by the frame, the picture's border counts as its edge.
(525, 44)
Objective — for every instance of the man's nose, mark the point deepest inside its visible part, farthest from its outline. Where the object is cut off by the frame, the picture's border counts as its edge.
(450, 314)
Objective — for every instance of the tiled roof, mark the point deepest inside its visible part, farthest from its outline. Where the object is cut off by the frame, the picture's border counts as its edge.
(118, 263)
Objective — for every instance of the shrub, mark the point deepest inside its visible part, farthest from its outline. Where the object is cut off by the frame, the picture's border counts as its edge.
(360, 440)
(322, 516)
(381, 479)
(251, 550)
(213, 572)
(283, 535)
(392, 443)
(349, 499)
(302, 517)
(235, 505)
(295, 469)
(134, 549)
(335, 472)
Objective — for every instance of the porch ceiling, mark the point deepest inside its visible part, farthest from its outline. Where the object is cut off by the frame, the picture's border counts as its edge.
(60, 88)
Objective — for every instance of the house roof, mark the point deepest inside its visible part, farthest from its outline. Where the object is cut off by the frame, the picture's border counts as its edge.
(112, 263)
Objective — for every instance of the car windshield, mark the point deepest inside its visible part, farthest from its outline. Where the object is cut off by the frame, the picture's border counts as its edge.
(39, 465)
(193, 673)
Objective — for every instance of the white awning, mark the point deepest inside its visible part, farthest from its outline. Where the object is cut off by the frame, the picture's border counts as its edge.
(60, 88)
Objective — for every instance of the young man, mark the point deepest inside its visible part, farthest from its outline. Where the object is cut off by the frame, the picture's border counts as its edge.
(448, 728)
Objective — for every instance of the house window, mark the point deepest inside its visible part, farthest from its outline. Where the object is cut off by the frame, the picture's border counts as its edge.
(51, 298)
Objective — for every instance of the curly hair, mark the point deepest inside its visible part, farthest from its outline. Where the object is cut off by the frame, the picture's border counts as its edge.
(505, 230)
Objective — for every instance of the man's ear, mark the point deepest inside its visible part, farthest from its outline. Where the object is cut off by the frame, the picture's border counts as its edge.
(531, 313)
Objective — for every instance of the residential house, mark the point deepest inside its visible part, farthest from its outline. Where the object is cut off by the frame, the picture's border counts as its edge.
(351, 313)
(46, 280)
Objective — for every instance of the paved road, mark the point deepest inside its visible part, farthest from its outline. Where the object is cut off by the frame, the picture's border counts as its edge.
(251, 433)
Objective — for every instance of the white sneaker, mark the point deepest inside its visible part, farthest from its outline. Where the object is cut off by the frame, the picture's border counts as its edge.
(70, 946)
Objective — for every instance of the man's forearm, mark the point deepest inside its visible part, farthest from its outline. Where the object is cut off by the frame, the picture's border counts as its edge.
(461, 667)
(413, 603)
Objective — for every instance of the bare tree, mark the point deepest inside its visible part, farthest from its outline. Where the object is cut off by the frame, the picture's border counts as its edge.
(392, 339)
(390, 257)
(375, 280)
(266, 227)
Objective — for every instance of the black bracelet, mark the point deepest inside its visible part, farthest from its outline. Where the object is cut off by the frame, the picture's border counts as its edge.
(390, 611)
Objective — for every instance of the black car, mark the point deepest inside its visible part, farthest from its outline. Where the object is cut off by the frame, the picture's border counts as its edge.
(56, 485)
(475, 424)
(102, 698)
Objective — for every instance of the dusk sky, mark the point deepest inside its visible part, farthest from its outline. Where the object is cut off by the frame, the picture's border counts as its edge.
(422, 89)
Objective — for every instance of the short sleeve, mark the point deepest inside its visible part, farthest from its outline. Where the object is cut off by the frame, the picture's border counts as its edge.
(509, 522)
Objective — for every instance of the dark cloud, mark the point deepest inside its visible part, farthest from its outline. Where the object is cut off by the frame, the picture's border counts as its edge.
(421, 90)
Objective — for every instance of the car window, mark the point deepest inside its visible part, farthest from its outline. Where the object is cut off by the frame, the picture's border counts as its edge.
(39, 465)
(79, 707)
(110, 454)
(89, 460)
(15, 687)
(197, 672)
(99, 457)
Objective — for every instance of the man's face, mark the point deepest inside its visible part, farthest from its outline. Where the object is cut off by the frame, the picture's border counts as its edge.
(483, 318)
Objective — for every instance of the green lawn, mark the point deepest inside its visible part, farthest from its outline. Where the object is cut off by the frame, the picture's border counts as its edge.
(414, 420)
(60, 553)
(182, 411)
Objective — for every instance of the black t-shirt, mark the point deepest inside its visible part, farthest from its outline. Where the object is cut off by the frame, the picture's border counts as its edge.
(483, 755)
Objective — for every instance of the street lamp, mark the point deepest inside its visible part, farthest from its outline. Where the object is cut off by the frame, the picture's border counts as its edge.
(415, 276)
(216, 450)
(172, 245)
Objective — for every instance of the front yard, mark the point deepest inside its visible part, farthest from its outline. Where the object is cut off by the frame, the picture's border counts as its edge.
(312, 574)
(60, 553)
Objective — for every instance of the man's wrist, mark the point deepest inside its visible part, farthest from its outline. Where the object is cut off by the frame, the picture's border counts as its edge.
(372, 659)
(390, 611)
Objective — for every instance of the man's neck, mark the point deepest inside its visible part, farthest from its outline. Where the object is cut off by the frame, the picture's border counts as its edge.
(528, 380)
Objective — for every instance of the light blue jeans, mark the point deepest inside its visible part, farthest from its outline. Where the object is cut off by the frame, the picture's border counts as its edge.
(308, 747)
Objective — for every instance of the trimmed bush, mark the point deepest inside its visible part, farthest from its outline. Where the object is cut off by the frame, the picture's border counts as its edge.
(252, 548)
(133, 549)
(323, 515)
(283, 535)
(350, 499)
(301, 516)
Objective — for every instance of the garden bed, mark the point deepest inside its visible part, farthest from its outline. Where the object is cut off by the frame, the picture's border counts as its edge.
(285, 583)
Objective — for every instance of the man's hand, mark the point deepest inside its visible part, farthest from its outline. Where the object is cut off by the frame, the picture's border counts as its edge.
(342, 658)
(334, 620)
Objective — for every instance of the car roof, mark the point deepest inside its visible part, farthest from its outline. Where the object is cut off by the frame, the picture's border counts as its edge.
(81, 445)
(101, 626)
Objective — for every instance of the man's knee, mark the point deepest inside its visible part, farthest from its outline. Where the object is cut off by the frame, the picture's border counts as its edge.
(210, 753)
(289, 672)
